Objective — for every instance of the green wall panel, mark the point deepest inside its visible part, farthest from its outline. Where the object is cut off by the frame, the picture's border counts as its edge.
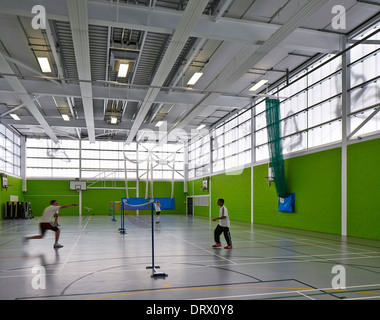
(235, 189)
(363, 189)
(316, 181)
(14, 189)
(40, 192)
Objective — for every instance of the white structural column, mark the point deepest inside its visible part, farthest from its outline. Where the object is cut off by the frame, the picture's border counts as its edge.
(345, 131)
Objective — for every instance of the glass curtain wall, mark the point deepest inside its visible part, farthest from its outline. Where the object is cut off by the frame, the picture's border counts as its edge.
(102, 160)
(311, 117)
(364, 91)
(311, 110)
(10, 152)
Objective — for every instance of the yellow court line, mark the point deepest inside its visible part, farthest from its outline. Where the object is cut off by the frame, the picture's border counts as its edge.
(222, 288)
(189, 289)
(367, 292)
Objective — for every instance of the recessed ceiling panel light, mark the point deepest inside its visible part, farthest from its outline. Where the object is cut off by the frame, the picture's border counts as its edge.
(15, 116)
(258, 85)
(195, 78)
(44, 64)
(123, 70)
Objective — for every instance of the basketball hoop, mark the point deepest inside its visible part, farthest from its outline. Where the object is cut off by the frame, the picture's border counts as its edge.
(77, 188)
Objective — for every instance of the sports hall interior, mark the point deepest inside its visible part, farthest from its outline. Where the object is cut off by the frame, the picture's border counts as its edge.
(102, 101)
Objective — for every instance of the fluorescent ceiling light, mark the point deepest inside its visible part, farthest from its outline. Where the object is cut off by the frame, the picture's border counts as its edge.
(113, 120)
(159, 123)
(65, 117)
(15, 116)
(201, 127)
(195, 78)
(258, 85)
(123, 70)
(44, 64)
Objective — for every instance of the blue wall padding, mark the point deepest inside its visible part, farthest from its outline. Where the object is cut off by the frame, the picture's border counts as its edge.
(166, 203)
(286, 204)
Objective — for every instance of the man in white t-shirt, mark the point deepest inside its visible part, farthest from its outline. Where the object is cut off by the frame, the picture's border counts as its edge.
(47, 219)
(223, 226)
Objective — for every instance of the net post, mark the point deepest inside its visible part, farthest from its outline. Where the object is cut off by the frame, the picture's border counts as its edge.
(122, 223)
(155, 274)
(113, 211)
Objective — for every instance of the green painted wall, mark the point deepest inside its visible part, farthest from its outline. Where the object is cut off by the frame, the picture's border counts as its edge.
(40, 192)
(316, 181)
(15, 189)
(314, 178)
(235, 189)
(363, 189)
(195, 187)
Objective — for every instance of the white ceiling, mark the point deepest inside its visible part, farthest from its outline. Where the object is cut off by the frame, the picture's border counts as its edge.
(234, 43)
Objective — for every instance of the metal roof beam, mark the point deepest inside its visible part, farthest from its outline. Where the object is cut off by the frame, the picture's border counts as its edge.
(105, 13)
(227, 77)
(77, 11)
(23, 95)
(192, 13)
(134, 95)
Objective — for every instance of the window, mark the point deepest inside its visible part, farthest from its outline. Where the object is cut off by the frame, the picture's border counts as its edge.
(311, 112)
(364, 92)
(199, 156)
(231, 143)
(10, 151)
(102, 160)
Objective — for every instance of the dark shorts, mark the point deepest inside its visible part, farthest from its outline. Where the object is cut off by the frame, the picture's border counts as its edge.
(158, 213)
(47, 226)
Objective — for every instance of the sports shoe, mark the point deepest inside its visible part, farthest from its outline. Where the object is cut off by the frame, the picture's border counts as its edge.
(216, 245)
(57, 246)
(228, 247)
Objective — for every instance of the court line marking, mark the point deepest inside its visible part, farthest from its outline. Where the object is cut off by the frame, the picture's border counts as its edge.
(189, 289)
(302, 294)
(175, 266)
(72, 249)
(308, 290)
(294, 290)
(208, 251)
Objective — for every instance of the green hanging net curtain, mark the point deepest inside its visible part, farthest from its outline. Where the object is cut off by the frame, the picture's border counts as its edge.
(272, 111)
